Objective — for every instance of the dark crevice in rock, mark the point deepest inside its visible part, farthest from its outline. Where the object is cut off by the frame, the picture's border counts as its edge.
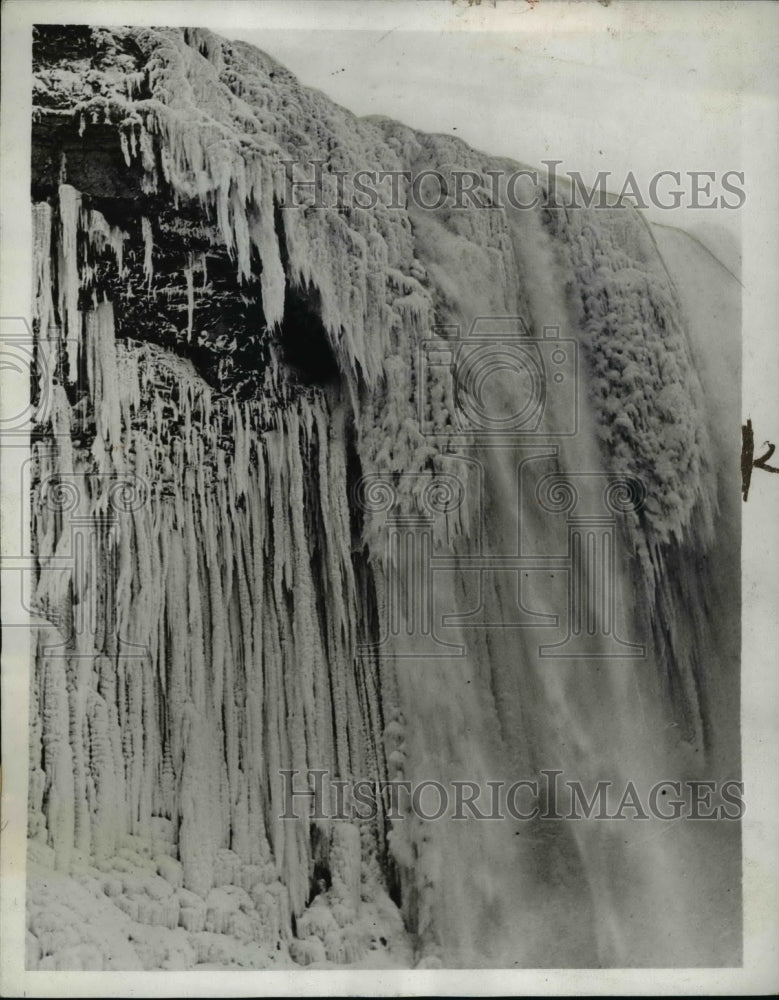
(304, 340)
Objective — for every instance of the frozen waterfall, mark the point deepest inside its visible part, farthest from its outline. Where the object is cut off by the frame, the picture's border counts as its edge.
(276, 536)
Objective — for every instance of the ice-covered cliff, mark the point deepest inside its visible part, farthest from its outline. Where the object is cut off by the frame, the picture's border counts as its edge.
(238, 390)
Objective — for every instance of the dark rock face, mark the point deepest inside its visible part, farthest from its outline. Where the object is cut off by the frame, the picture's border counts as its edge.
(226, 338)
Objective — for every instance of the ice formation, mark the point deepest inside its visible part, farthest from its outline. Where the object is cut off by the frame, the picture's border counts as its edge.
(213, 589)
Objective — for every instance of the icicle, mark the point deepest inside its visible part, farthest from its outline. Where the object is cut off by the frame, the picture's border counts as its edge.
(69, 207)
(43, 307)
(148, 250)
(104, 384)
(189, 272)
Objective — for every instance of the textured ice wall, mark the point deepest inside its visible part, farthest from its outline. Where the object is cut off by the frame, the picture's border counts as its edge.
(210, 637)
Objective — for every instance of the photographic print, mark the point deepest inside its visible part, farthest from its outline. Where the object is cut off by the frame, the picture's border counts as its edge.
(381, 488)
